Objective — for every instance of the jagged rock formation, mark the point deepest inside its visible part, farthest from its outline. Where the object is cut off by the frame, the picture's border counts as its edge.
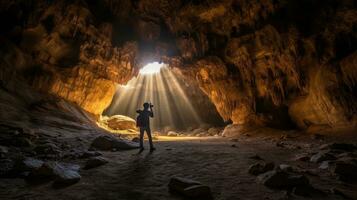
(274, 63)
(67, 54)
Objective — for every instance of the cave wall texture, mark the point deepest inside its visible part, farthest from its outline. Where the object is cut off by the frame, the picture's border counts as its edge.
(279, 63)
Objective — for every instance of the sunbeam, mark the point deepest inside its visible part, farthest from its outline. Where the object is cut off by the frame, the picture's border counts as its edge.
(155, 83)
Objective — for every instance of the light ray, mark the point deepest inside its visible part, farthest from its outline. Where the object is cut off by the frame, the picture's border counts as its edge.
(156, 84)
(184, 96)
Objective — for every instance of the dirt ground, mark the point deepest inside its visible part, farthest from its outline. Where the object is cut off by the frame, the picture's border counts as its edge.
(220, 163)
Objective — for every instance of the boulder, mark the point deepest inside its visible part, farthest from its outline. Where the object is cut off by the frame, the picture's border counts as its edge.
(277, 179)
(63, 174)
(199, 191)
(189, 188)
(121, 122)
(107, 143)
(95, 162)
(235, 130)
(260, 168)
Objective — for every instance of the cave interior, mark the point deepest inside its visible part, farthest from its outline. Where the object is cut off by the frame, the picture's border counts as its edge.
(251, 99)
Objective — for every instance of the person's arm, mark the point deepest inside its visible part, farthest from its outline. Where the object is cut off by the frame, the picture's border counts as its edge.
(138, 111)
(151, 112)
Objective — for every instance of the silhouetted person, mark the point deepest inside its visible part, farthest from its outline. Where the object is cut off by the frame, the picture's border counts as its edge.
(143, 122)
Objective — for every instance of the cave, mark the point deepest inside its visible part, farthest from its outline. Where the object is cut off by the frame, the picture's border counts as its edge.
(178, 99)
(181, 105)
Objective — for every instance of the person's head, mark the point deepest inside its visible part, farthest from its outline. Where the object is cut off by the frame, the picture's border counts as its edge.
(146, 105)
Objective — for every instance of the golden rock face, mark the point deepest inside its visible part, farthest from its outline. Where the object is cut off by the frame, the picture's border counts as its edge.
(255, 60)
(77, 60)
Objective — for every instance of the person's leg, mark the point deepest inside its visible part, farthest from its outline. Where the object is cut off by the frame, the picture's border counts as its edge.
(142, 138)
(148, 131)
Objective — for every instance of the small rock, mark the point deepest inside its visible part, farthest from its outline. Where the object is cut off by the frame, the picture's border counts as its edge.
(203, 134)
(136, 139)
(213, 131)
(3, 149)
(198, 131)
(28, 164)
(95, 162)
(260, 168)
(280, 144)
(285, 167)
(189, 188)
(322, 156)
(325, 165)
(172, 134)
(347, 155)
(67, 177)
(302, 157)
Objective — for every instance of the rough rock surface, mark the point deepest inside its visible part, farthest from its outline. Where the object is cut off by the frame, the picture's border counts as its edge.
(261, 62)
(95, 162)
(62, 173)
(108, 142)
(119, 122)
(282, 180)
(189, 188)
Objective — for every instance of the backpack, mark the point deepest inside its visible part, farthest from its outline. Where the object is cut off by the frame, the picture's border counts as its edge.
(139, 121)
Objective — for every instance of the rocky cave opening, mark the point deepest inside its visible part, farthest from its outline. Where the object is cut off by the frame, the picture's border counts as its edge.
(180, 105)
(252, 99)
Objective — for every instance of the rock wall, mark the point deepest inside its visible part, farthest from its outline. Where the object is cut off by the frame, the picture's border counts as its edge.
(69, 54)
(276, 63)
(267, 63)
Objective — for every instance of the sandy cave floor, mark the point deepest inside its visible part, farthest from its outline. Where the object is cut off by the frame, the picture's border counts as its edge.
(221, 163)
